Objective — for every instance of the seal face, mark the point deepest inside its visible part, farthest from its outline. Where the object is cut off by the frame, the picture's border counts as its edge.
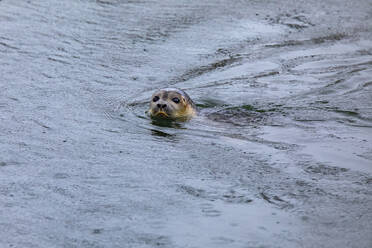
(171, 103)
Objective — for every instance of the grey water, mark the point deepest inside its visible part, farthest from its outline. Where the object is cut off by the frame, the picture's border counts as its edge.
(280, 154)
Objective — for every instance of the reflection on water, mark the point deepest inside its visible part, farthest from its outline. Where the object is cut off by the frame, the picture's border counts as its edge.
(278, 156)
(166, 123)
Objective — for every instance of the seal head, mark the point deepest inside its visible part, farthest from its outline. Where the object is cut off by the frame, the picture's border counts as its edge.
(171, 103)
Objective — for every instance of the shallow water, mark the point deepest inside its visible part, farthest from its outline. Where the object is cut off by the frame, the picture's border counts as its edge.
(279, 155)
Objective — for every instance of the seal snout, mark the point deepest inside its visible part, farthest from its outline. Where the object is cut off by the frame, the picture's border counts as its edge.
(161, 106)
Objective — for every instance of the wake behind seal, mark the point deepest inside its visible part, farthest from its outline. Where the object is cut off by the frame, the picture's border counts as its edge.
(172, 104)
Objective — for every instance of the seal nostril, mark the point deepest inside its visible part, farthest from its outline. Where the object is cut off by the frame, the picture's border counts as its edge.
(164, 106)
(159, 105)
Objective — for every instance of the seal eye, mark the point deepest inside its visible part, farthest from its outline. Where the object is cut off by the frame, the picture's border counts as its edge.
(155, 99)
(176, 100)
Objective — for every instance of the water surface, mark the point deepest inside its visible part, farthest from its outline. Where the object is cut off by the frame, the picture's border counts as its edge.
(279, 155)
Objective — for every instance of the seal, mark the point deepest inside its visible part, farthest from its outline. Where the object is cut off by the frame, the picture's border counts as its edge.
(171, 103)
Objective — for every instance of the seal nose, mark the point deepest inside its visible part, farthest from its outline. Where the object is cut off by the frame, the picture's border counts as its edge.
(163, 106)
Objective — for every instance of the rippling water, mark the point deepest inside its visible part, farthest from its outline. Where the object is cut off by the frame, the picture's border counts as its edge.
(279, 155)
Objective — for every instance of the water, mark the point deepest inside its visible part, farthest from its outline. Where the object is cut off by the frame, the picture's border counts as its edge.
(279, 155)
